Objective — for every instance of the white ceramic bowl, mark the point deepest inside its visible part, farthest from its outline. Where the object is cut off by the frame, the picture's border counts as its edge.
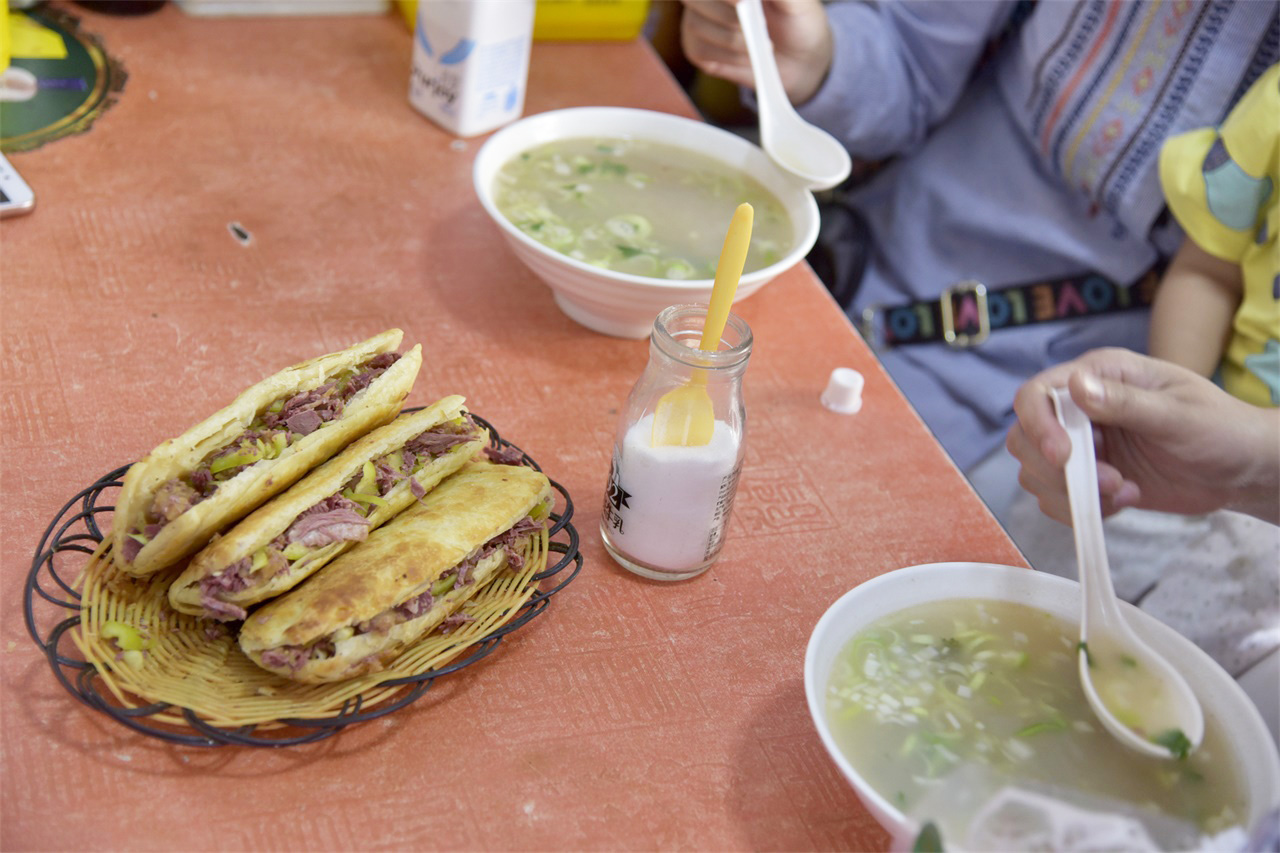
(622, 304)
(1253, 752)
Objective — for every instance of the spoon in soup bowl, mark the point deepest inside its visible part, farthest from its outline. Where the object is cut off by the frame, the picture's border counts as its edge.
(810, 153)
(1140, 698)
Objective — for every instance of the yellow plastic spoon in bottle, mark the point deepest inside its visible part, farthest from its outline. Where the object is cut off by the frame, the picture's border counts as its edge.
(685, 416)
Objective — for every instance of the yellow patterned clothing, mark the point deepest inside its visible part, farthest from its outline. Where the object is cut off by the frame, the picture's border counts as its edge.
(1223, 185)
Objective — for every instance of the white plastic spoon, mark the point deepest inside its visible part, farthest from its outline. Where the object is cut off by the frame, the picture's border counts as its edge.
(1139, 697)
(810, 153)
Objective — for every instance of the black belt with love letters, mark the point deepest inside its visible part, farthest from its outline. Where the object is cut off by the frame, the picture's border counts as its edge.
(968, 312)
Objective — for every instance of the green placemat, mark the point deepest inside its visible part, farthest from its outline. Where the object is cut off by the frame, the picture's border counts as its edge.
(71, 91)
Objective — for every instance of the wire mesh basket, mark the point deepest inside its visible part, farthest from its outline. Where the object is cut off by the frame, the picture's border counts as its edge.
(54, 608)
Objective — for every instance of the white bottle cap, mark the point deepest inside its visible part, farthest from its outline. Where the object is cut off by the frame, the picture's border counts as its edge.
(844, 391)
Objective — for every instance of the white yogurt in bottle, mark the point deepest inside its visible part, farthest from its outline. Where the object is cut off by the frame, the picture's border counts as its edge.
(667, 507)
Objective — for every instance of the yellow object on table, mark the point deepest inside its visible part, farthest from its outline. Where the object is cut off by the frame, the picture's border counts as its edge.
(26, 38)
(589, 20)
(571, 20)
(409, 11)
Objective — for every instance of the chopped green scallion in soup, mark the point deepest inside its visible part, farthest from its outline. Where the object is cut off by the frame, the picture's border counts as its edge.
(1137, 697)
(637, 207)
(940, 687)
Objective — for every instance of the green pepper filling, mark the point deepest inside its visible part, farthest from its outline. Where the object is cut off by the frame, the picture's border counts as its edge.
(277, 426)
(368, 491)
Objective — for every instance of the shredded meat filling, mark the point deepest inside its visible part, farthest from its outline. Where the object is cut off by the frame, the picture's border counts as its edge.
(234, 578)
(334, 519)
(300, 415)
(504, 455)
(417, 606)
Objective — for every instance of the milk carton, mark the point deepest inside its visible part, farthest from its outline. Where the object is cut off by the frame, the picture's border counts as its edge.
(470, 62)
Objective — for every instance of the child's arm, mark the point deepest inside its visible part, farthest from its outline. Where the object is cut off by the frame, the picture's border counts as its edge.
(1193, 309)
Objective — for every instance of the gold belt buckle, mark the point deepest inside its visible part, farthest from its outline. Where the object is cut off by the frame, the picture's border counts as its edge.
(949, 334)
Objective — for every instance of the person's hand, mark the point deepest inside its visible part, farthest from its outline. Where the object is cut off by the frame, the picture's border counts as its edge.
(1166, 439)
(712, 41)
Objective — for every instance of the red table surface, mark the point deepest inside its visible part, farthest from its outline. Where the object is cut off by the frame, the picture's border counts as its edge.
(631, 715)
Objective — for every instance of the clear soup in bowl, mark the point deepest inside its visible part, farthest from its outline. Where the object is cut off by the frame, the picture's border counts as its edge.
(949, 694)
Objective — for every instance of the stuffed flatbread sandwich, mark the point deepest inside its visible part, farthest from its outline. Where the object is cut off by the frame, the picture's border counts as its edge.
(358, 613)
(328, 512)
(272, 434)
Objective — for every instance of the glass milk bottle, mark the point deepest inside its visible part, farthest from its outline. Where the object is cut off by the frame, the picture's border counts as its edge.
(666, 508)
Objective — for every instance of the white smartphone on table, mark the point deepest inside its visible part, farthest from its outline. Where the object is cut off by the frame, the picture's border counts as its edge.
(15, 196)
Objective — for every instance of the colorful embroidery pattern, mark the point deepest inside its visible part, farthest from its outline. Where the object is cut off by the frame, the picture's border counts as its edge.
(1108, 91)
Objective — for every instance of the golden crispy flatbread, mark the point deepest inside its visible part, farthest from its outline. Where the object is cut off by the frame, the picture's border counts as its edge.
(266, 553)
(166, 471)
(360, 610)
